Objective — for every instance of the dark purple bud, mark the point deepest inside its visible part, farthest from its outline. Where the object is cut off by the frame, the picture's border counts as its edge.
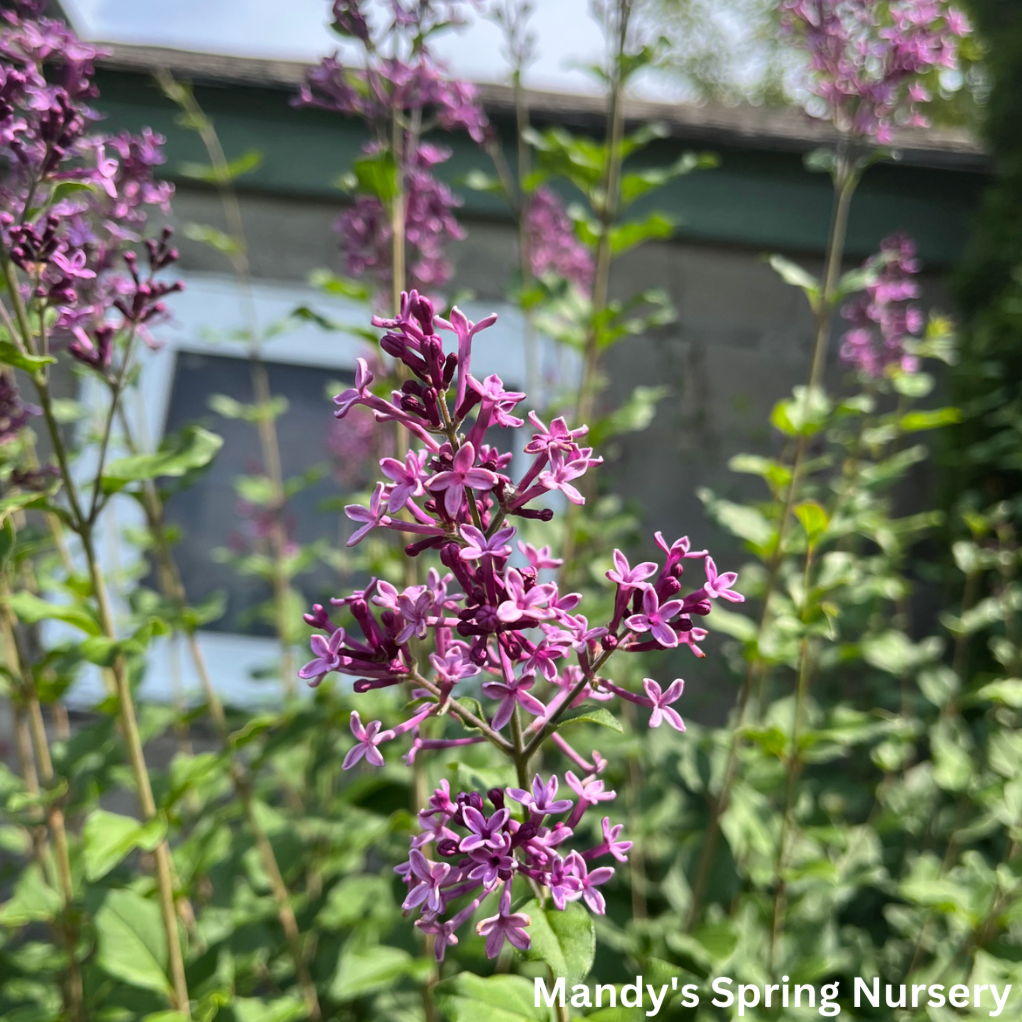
(429, 543)
(496, 797)
(319, 618)
(541, 515)
(526, 832)
(447, 847)
(450, 368)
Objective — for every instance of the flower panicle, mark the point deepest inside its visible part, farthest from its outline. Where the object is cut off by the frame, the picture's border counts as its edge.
(76, 202)
(868, 61)
(490, 615)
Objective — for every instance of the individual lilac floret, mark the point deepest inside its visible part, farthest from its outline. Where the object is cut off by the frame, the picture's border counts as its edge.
(505, 924)
(366, 740)
(543, 797)
(655, 618)
(462, 476)
(328, 656)
(661, 703)
(719, 586)
(589, 881)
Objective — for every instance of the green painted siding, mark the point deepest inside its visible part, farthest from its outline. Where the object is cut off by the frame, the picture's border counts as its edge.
(756, 198)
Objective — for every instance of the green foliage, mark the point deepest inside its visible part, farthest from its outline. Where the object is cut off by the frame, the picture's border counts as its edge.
(190, 449)
(565, 941)
(467, 998)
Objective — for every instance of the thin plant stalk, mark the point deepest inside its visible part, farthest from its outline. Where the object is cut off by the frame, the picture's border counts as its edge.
(174, 588)
(606, 213)
(269, 441)
(794, 767)
(37, 766)
(83, 523)
(846, 179)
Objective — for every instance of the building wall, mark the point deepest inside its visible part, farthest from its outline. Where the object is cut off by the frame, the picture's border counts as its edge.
(741, 342)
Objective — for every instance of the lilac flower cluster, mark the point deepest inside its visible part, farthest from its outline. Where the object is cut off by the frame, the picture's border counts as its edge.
(883, 316)
(73, 201)
(553, 247)
(401, 96)
(429, 225)
(491, 624)
(481, 853)
(14, 413)
(868, 58)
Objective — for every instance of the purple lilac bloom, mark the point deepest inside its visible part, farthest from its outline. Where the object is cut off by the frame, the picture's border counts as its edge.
(407, 86)
(75, 247)
(883, 317)
(530, 641)
(553, 247)
(868, 60)
(533, 650)
(14, 413)
(480, 854)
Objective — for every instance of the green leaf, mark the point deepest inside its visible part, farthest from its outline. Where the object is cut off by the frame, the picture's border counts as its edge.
(591, 715)
(191, 448)
(952, 764)
(742, 521)
(229, 408)
(914, 422)
(719, 939)
(820, 161)
(103, 651)
(329, 282)
(8, 540)
(802, 415)
(30, 609)
(1007, 691)
(813, 518)
(776, 474)
(377, 175)
(626, 236)
(634, 186)
(894, 652)
(206, 234)
(566, 940)
(65, 189)
(792, 273)
(362, 972)
(10, 355)
(255, 1009)
(27, 499)
(738, 626)
(244, 164)
(478, 181)
(108, 837)
(33, 900)
(469, 998)
(633, 416)
(939, 684)
(132, 943)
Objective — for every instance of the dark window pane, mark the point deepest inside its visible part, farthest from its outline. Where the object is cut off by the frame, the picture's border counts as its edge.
(211, 514)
